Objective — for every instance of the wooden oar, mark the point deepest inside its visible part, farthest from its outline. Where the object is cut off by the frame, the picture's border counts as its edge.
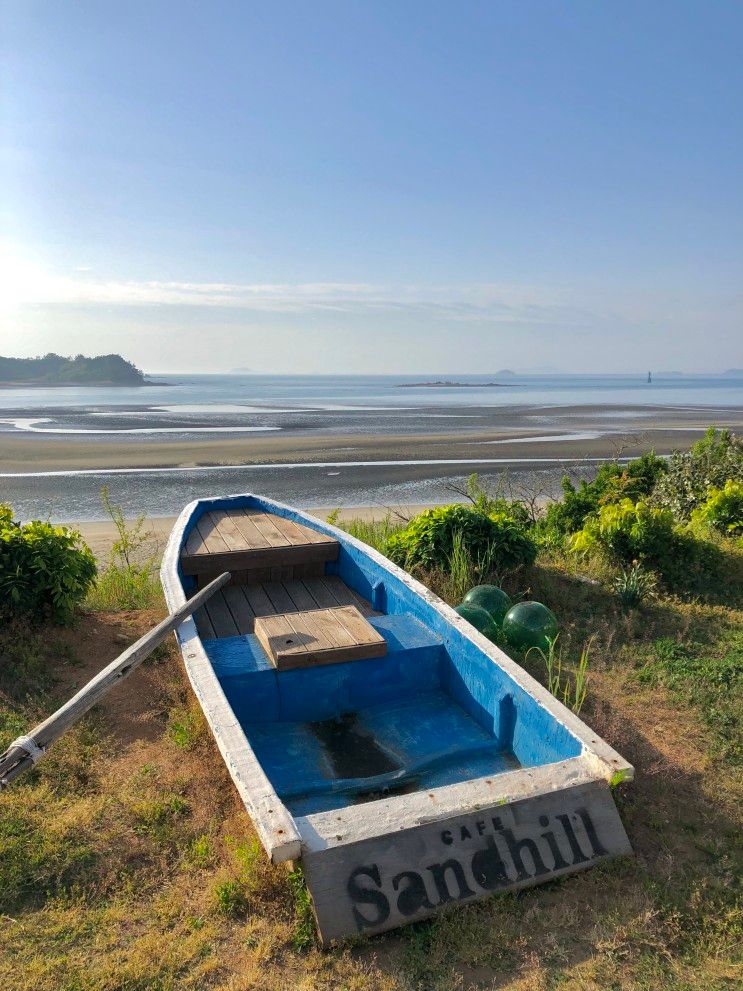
(26, 750)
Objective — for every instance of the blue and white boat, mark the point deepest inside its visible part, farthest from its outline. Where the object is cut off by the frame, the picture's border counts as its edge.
(373, 734)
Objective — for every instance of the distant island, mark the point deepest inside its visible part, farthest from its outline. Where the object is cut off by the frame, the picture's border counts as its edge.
(53, 369)
(444, 384)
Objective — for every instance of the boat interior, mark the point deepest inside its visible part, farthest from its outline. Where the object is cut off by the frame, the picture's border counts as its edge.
(347, 683)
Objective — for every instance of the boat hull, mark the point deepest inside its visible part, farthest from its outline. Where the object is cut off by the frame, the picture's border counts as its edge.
(540, 806)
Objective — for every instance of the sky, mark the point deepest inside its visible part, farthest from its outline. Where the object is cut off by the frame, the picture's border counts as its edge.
(379, 186)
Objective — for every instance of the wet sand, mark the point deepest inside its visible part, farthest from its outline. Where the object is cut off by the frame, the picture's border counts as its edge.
(662, 429)
(345, 459)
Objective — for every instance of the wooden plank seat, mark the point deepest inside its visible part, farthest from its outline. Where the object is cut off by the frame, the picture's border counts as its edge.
(255, 546)
(232, 611)
(318, 636)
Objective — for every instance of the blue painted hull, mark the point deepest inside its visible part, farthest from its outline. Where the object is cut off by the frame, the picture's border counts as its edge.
(435, 693)
(406, 781)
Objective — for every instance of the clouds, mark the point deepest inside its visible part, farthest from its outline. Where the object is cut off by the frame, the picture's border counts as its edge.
(478, 303)
(338, 326)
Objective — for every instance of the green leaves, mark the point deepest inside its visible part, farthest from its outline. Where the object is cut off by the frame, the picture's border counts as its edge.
(710, 463)
(428, 541)
(614, 483)
(45, 570)
(723, 509)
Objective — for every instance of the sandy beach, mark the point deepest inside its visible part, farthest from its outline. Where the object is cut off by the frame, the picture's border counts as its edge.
(586, 432)
(55, 459)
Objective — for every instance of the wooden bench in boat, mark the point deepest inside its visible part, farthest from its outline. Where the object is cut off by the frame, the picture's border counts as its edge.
(233, 610)
(318, 636)
(255, 547)
(278, 589)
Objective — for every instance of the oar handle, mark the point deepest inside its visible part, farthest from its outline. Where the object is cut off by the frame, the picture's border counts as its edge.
(27, 749)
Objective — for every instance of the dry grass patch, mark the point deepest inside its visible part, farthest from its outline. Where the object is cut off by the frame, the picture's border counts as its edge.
(128, 861)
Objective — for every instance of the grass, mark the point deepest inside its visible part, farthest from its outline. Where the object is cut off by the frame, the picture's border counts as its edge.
(463, 573)
(128, 862)
(570, 687)
(130, 578)
(707, 677)
(375, 533)
(129, 586)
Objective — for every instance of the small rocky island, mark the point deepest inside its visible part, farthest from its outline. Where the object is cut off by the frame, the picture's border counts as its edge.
(53, 369)
(445, 384)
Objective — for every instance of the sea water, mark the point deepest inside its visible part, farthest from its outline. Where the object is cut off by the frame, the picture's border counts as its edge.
(200, 407)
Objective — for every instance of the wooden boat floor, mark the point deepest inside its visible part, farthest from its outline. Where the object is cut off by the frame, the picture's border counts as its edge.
(248, 540)
(233, 610)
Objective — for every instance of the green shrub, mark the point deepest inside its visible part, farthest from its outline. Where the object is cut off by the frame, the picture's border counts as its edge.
(45, 570)
(491, 541)
(614, 482)
(569, 514)
(635, 533)
(723, 509)
(490, 504)
(628, 531)
(634, 480)
(709, 463)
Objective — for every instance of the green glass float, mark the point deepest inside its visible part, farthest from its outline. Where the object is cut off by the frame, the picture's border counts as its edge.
(529, 624)
(490, 598)
(480, 618)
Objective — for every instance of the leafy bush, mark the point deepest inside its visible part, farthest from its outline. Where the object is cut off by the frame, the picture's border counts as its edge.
(496, 540)
(613, 483)
(628, 531)
(565, 517)
(723, 509)
(45, 570)
(634, 480)
(635, 532)
(709, 463)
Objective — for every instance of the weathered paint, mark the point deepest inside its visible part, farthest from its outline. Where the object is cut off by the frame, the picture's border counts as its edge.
(381, 883)
(260, 693)
(431, 740)
(447, 707)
